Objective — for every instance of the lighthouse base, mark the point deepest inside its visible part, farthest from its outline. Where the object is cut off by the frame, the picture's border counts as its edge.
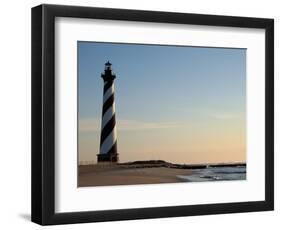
(111, 157)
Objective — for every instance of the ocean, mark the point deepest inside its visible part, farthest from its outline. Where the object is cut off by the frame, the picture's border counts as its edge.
(216, 174)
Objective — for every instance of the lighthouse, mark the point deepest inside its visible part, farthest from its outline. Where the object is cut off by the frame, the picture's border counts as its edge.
(108, 138)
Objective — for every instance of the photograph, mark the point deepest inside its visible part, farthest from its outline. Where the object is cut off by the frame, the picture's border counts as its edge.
(148, 102)
(151, 114)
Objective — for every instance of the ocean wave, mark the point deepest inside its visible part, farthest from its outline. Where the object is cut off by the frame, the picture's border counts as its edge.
(215, 174)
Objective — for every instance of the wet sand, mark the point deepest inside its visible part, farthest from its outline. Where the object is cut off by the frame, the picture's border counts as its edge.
(101, 175)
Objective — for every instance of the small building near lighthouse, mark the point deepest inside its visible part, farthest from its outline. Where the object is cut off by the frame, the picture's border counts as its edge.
(108, 138)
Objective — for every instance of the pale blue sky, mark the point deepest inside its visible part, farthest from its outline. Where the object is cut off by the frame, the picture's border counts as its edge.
(161, 88)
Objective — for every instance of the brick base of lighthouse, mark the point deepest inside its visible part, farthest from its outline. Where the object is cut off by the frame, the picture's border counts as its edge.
(112, 157)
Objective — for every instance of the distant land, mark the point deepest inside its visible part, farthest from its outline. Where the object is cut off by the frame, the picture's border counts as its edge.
(161, 163)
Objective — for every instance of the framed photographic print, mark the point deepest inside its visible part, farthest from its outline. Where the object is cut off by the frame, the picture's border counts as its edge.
(143, 114)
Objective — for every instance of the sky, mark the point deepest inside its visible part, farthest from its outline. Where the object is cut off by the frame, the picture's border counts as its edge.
(175, 103)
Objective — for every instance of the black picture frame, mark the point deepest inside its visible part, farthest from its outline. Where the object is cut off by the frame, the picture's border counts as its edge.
(43, 114)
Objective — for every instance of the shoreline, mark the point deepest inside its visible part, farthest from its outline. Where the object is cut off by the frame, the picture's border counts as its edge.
(139, 172)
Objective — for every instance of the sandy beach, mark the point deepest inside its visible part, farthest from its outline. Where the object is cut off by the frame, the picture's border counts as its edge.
(157, 171)
(101, 175)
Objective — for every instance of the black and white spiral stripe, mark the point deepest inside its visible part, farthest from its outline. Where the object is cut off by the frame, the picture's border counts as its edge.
(108, 141)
